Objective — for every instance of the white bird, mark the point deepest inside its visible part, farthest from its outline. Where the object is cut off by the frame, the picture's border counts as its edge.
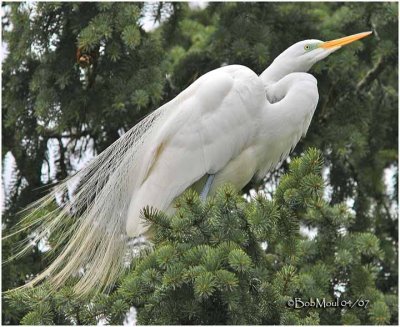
(230, 125)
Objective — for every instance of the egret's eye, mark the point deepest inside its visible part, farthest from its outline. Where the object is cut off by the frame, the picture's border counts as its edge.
(307, 47)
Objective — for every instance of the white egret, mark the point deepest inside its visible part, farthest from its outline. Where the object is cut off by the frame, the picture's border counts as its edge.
(230, 125)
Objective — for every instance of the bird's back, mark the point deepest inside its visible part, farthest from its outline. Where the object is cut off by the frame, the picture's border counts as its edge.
(206, 127)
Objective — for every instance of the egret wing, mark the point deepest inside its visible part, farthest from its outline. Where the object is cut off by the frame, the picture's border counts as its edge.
(207, 126)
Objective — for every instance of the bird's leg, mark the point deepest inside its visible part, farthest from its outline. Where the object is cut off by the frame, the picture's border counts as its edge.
(207, 187)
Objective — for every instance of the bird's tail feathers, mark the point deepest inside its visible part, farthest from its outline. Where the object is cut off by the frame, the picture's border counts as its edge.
(89, 231)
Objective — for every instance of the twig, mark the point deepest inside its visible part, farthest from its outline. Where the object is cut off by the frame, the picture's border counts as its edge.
(372, 74)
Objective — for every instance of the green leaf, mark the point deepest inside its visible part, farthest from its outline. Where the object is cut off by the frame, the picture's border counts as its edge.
(131, 36)
(226, 280)
(379, 313)
(40, 316)
(239, 260)
(204, 285)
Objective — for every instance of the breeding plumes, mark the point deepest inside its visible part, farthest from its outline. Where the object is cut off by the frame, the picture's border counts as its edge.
(230, 125)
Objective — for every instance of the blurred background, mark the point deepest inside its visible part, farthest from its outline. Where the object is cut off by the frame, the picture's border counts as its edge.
(76, 76)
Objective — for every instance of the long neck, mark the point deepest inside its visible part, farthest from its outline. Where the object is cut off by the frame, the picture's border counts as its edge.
(287, 118)
(276, 71)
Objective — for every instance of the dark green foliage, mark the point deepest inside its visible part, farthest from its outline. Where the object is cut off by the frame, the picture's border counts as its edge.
(207, 265)
(48, 96)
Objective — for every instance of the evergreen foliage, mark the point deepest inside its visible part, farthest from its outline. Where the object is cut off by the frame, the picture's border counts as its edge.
(77, 75)
(207, 264)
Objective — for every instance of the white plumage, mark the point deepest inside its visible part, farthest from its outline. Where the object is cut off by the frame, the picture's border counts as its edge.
(222, 124)
(230, 123)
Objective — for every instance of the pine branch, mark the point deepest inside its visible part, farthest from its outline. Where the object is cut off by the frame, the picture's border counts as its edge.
(371, 75)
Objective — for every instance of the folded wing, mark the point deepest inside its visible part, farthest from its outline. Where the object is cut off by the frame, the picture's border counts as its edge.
(208, 126)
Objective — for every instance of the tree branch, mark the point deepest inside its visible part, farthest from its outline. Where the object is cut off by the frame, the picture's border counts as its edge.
(372, 74)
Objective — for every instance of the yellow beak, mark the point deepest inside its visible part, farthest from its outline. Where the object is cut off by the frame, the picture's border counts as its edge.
(344, 40)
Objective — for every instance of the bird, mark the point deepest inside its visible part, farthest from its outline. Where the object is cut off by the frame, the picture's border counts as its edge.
(229, 126)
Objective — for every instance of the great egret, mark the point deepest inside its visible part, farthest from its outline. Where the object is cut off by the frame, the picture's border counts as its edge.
(230, 125)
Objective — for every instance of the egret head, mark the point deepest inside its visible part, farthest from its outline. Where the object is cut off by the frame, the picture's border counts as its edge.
(302, 55)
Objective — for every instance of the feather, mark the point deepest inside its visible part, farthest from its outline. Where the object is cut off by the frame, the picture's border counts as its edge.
(94, 226)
